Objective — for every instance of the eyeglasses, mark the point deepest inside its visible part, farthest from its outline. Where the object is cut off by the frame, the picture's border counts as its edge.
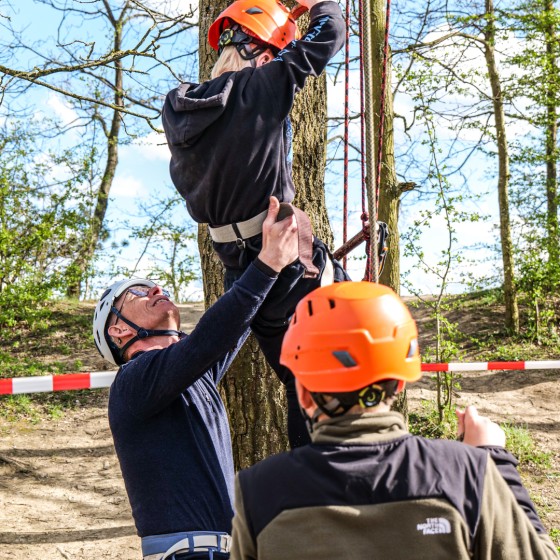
(141, 291)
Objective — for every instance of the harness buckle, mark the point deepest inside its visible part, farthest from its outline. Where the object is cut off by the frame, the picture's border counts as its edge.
(241, 244)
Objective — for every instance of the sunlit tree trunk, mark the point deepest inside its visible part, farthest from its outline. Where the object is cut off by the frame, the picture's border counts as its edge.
(112, 135)
(552, 133)
(389, 190)
(510, 296)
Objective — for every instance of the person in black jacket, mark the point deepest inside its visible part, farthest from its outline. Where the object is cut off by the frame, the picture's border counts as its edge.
(231, 149)
(365, 487)
(166, 415)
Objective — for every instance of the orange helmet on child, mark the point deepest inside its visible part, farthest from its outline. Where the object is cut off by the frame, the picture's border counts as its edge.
(269, 21)
(351, 335)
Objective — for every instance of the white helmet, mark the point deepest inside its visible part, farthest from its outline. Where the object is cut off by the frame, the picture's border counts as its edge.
(107, 348)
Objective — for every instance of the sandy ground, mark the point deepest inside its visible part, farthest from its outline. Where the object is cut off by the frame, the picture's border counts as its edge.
(62, 494)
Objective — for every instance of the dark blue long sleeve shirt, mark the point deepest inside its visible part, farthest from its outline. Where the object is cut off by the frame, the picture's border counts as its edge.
(170, 426)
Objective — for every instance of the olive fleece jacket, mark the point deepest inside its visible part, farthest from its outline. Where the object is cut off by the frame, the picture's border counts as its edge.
(366, 488)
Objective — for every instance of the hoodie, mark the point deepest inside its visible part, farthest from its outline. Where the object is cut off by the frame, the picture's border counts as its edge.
(231, 139)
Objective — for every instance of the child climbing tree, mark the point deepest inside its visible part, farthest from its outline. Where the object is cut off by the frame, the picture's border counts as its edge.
(254, 397)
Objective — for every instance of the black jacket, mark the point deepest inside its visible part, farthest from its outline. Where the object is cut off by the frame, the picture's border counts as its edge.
(366, 488)
(231, 139)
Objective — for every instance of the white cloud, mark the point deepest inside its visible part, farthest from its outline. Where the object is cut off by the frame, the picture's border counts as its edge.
(152, 147)
(127, 186)
(62, 109)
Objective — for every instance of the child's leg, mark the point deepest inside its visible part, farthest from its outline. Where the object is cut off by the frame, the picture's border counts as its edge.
(270, 342)
(271, 323)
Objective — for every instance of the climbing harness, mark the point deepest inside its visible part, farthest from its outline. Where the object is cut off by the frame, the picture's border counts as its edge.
(370, 195)
(242, 232)
(239, 231)
(163, 547)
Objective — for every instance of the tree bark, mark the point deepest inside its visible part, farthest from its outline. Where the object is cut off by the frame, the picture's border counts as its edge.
(510, 296)
(112, 135)
(253, 395)
(551, 135)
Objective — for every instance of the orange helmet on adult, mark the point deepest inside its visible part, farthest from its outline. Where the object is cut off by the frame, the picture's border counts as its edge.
(269, 21)
(349, 336)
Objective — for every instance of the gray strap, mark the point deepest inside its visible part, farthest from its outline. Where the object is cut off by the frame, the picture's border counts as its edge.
(247, 229)
(200, 542)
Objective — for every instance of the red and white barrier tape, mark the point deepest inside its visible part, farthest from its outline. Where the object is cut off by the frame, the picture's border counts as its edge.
(101, 379)
(488, 366)
(48, 383)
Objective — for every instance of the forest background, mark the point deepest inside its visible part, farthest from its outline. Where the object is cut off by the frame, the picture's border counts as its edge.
(469, 170)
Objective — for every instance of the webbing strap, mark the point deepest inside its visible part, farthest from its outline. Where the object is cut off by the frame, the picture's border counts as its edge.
(305, 237)
(248, 228)
(163, 547)
(241, 231)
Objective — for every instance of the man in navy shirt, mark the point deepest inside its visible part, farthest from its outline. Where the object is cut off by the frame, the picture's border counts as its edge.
(167, 418)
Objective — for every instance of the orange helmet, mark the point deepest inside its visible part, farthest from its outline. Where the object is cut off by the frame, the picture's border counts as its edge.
(351, 335)
(268, 20)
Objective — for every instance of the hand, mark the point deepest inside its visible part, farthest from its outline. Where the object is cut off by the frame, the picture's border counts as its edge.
(309, 3)
(280, 239)
(479, 430)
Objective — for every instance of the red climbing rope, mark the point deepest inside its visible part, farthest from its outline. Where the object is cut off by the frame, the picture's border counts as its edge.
(365, 215)
(346, 130)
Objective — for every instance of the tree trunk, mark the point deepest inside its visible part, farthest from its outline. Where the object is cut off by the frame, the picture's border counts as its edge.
(112, 135)
(551, 135)
(389, 191)
(510, 296)
(253, 395)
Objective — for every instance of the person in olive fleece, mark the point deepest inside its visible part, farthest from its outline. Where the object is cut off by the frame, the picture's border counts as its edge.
(231, 149)
(365, 487)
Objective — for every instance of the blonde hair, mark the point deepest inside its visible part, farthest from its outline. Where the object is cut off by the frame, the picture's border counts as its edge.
(229, 61)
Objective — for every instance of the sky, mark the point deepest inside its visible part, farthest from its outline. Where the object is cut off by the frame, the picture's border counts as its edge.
(143, 171)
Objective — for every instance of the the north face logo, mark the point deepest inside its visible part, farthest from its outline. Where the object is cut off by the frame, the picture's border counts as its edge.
(434, 526)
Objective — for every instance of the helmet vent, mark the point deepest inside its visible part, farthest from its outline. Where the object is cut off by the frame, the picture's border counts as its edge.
(413, 348)
(310, 307)
(105, 293)
(344, 358)
(332, 303)
(254, 11)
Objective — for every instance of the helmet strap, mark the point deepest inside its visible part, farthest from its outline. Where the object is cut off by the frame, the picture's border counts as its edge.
(141, 333)
(332, 408)
(246, 52)
(235, 36)
(340, 403)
